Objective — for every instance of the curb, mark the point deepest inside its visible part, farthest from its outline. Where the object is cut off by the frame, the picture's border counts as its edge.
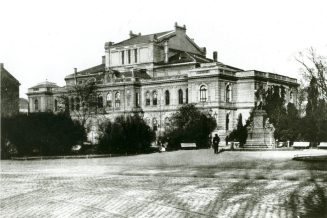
(63, 157)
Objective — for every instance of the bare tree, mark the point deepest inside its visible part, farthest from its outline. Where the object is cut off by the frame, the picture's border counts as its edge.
(80, 100)
(314, 66)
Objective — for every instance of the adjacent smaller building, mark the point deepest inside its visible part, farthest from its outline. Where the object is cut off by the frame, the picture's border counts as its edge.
(23, 105)
(40, 97)
(9, 93)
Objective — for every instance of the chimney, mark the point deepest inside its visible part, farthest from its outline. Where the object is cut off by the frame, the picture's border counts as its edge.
(204, 50)
(215, 56)
(107, 45)
(166, 49)
(131, 34)
(103, 59)
(180, 28)
(75, 75)
(1, 65)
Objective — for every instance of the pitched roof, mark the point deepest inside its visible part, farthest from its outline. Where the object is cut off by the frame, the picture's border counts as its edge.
(185, 57)
(92, 70)
(3, 70)
(138, 73)
(138, 39)
(45, 84)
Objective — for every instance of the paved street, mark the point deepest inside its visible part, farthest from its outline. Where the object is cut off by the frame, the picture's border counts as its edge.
(171, 184)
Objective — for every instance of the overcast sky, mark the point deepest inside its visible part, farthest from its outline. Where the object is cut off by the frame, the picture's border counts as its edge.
(42, 39)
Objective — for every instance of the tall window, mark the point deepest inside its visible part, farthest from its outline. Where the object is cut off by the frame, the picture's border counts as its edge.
(128, 98)
(291, 96)
(56, 105)
(203, 93)
(117, 100)
(167, 97)
(227, 121)
(147, 98)
(109, 99)
(137, 99)
(228, 93)
(72, 104)
(180, 96)
(122, 57)
(129, 56)
(167, 122)
(135, 55)
(77, 104)
(155, 124)
(186, 96)
(36, 105)
(100, 101)
(154, 98)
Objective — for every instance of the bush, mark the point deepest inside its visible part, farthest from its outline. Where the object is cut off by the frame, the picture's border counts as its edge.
(189, 124)
(126, 135)
(240, 133)
(41, 134)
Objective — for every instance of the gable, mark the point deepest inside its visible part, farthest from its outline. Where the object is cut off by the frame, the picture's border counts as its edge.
(183, 43)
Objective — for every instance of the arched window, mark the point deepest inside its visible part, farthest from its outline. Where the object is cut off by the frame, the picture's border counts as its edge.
(227, 121)
(155, 124)
(128, 98)
(186, 96)
(36, 105)
(109, 99)
(154, 98)
(72, 104)
(147, 98)
(228, 93)
(167, 97)
(291, 96)
(56, 105)
(77, 104)
(180, 96)
(117, 100)
(203, 93)
(137, 99)
(100, 101)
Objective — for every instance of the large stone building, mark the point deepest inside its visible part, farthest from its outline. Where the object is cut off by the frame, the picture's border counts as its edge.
(157, 73)
(9, 93)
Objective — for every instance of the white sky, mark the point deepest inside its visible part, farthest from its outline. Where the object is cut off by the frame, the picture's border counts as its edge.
(42, 40)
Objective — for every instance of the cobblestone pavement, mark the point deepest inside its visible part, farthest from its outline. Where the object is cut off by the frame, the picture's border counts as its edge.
(134, 187)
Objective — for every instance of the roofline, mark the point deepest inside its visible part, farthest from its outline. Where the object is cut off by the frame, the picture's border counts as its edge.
(10, 75)
(176, 64)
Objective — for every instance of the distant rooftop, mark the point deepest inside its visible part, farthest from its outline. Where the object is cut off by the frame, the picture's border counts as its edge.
(137, 39)
(45, 84)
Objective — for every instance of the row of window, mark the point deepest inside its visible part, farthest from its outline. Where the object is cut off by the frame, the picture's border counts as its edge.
(167, 97)
(129, 56)
(75, 102)
(167, 122)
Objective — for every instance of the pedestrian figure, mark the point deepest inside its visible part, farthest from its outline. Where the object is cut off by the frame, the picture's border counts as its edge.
(215, 142)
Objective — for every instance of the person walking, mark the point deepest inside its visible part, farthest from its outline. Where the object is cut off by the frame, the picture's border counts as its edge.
(215, 143)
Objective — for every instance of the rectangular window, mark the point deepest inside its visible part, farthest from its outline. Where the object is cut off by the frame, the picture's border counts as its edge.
(129, 56)
(135, 55)
(137, 99)
(122, 57)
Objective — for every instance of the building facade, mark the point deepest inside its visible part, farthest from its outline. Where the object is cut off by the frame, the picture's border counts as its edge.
(41, 97)
(157, 73)
(9, 93)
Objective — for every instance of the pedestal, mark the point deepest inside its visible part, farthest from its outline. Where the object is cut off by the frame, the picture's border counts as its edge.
(261, 132)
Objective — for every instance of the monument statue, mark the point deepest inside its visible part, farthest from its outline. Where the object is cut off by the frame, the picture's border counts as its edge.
(260, 131)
